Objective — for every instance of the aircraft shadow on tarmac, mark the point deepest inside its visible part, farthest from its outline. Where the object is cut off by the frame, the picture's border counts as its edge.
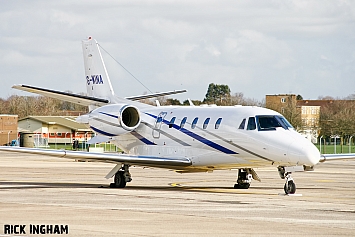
(8, 185)
(33, 185)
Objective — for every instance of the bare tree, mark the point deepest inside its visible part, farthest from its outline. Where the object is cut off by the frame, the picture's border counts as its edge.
(338, 118)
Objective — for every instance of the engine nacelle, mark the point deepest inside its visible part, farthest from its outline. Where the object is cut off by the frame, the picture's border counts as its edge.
(113, 120)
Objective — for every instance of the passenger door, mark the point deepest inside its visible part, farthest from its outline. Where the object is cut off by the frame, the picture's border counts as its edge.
(158, 124)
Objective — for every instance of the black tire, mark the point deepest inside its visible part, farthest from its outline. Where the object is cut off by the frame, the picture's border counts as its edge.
(120, 181)
(290, 188)
(242, 186)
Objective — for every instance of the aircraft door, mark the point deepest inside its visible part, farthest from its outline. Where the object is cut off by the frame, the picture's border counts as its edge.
(158, 124)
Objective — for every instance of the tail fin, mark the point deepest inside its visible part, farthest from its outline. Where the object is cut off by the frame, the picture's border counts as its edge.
(98, 83)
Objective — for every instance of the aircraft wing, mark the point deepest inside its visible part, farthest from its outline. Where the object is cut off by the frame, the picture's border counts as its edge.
(86, 100)
(150, 161)
(141, 97)
(332, 157)
(65, 96)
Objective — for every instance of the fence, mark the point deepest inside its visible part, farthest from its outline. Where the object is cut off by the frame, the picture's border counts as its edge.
(336, 145)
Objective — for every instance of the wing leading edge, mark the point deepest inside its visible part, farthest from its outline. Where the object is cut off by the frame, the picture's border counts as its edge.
(151, 161)
(65, 96)
(334, 157)
(86, 100)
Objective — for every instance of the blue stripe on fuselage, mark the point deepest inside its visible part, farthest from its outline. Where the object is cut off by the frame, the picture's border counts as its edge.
(137, 135)
(199, 138)
(102, 132)
(111, 115)
(143, 139)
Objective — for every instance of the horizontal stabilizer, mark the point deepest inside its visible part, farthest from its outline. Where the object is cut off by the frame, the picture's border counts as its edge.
(333, 157)
(141, 97)
(65, 96)
(149, 161)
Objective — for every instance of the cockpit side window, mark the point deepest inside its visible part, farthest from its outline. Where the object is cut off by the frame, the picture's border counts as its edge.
(242, 124)
(251, 123)
(268, 123)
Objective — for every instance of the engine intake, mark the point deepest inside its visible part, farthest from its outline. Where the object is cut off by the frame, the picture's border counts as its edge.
(114, 120)
(130, 117)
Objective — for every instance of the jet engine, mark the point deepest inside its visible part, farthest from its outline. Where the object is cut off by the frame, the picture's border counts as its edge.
(112, 120)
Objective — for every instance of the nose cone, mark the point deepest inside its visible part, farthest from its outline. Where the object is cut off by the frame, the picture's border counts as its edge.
(303, 152)
(311, 155)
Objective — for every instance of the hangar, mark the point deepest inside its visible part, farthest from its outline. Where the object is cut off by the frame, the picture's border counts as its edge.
(55, 129)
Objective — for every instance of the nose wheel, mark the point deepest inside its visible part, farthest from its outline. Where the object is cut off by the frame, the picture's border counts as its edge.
(290, 186)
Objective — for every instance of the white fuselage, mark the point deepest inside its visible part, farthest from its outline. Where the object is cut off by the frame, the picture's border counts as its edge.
(212, 137)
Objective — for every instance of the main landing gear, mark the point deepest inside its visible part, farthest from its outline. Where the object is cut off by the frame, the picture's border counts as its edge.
(121, 177)
(244, 179)
(290, 186)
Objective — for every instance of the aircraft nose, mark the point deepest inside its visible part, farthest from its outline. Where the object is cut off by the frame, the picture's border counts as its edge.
(311, 154)
(304, 152)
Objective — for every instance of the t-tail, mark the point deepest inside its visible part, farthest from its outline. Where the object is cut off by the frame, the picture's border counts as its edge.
(98, 83)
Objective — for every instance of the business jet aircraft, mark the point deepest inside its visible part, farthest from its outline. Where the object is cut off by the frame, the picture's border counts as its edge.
(182, 138)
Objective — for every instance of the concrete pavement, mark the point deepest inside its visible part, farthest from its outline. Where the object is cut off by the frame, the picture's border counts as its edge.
(43, 190)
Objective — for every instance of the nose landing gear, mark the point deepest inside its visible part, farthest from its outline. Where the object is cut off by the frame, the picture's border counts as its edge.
(290, 186)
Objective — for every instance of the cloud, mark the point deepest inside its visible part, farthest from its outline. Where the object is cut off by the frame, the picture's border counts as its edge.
(257, 47)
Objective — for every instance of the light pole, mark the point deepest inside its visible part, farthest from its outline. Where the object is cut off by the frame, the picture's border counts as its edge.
(36, 137)
(335, 143)
(8, 137)
(320, 144)
(350, 143)
(85, 137)
(55, 140)
(71, 138)
(65, 141)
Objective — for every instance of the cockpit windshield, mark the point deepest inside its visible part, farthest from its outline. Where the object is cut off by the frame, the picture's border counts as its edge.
(284, 121)
(271, 122)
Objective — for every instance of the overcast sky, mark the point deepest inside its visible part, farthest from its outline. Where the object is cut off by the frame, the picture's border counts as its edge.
(255, 47)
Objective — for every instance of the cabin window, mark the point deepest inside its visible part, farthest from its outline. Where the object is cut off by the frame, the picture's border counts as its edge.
(251, 123)
(183, 121)
(193, 125)
(218, 123)
(172, 121)
(205, 124)
(242, 124)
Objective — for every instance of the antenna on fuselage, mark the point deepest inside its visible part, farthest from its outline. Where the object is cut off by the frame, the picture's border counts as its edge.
(190, 102)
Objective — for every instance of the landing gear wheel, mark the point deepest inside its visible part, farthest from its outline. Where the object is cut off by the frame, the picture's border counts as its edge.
(242, 186)
(244, 179)
(119, 180)
(290, 187)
